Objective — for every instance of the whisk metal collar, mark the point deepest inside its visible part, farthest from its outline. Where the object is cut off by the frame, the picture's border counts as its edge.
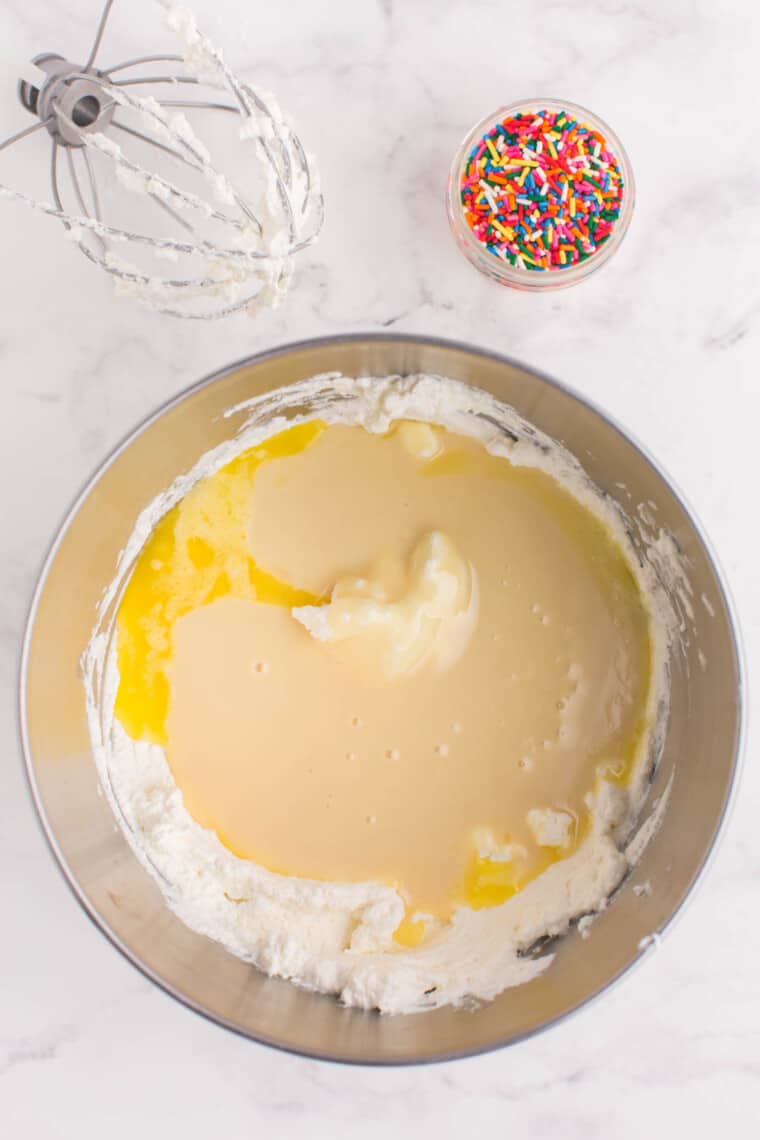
(71, 102)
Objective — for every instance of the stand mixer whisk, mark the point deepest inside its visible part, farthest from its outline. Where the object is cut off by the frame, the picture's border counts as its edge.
(134, 186)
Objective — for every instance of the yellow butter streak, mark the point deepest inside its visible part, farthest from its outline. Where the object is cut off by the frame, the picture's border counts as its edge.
(198, 552)
(490, 882)
(410, 931)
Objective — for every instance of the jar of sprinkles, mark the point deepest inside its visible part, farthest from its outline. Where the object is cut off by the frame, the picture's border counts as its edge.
(540, 194)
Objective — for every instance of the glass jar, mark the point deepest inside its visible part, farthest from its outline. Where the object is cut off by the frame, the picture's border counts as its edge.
(497, 267)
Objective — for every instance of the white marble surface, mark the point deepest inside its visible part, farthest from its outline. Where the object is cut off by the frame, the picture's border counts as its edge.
(665, 339)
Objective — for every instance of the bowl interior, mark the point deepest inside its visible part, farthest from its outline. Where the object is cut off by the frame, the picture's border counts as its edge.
(700, 749)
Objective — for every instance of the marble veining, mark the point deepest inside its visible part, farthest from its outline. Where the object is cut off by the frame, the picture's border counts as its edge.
(666, 338)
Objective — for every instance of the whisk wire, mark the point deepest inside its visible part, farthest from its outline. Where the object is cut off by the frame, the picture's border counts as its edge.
(92, 184)
(138, 61)
(201, 106)
(98, 35)
(137, 80)
(19, 135)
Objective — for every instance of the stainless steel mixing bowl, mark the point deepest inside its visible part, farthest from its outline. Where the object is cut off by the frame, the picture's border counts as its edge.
(701, 748)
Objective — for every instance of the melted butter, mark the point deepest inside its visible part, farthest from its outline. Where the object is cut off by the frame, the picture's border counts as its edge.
(197, 553)
(314, 759)
(410, 931)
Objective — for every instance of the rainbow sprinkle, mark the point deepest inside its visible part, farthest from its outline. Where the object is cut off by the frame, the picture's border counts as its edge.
(542, 190)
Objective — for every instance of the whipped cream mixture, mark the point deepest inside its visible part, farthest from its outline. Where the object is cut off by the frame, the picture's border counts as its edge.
(380, 700)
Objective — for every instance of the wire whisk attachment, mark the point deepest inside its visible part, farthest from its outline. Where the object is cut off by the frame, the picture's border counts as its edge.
(137, 187)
